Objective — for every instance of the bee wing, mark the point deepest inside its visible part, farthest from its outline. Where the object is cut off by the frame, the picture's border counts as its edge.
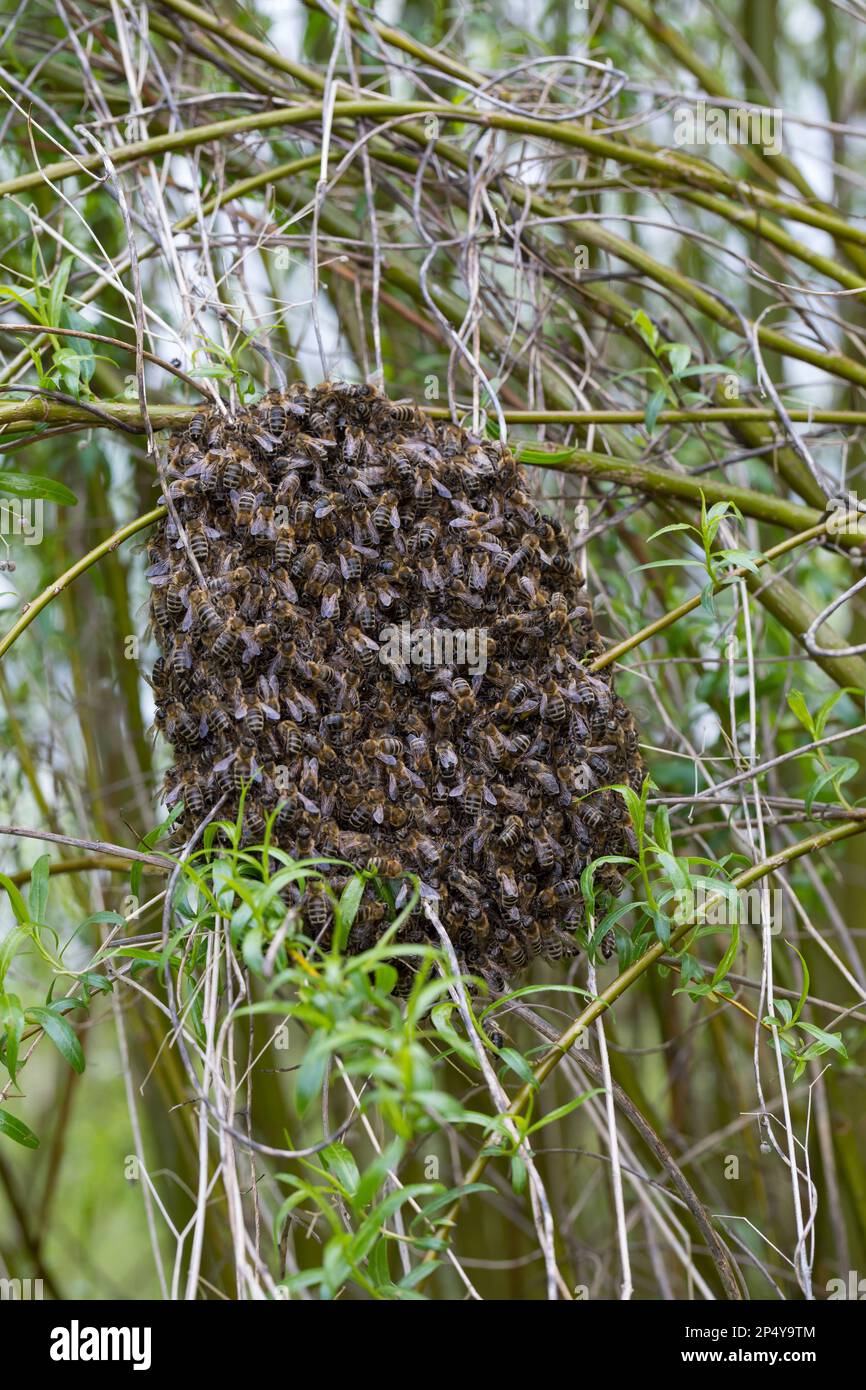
(287, 588)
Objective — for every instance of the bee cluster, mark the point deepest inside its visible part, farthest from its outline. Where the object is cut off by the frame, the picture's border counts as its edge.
(299, 531)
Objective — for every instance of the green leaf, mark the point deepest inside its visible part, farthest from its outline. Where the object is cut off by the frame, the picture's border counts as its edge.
(823, 713)
(12, 1017)
(676, 871)
(19, 907)
(708, 600)
(16, 1129)
(30, 485)
(9, 947)
(252, 952)
(797, 703)
(62, 1034)
(728, 958)
(371, 1228)
(674, 526)
(566, 1109)
(519, 1065)
(829, 1041)
(310, 1076)
(662, 829)
(340, 1162)
(445, 1199)
(518, 1173)
(679, 355)
(37, 898)
(57, 293)
(377, 1265)
(662, 925)
(784, 1009)
(347, 911)
(838, 770)
(654, 405)
(804, 991)
(646, 328)
(7, 292)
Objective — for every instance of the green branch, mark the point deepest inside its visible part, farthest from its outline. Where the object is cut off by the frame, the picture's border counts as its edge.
(32, 610)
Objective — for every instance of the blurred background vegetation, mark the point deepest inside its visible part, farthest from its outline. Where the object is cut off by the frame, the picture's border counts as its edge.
(517, 229)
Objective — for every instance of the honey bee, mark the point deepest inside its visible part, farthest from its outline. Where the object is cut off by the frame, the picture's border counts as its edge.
(475, 794)
(330, 604)
(231, 582)
(507, 885)
(553, 704)
(238, 466)
(180, 664)
(196, 426)
(159, 609)
(213, 716)
(401, 414)
(254, 716)
(512, 949)
(385, 866)
(385, 748)
(264, 523)
(463, 694)
(427, 533)
(276, 420)
(206, 614)
(244, 504)
(354, 447)
(319, 576)
(349, 560)
(315, 904)
(200, 537)
(226, 643)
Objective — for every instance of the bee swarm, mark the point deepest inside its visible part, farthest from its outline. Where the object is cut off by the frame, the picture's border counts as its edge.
(318, 518)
